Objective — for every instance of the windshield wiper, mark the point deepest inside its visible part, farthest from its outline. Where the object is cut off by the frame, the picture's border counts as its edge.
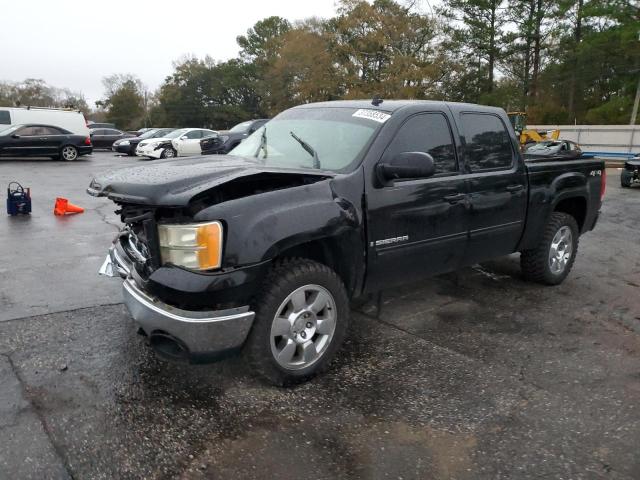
(263, 144)
(309, 149)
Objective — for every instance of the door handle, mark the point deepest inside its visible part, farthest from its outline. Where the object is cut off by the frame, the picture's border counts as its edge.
(455, 197)
(514, 188)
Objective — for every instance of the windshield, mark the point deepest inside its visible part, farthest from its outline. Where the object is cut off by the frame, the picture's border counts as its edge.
(147, 134)
(241, 127)
(326, 138)
(176, 133)
(541, 146)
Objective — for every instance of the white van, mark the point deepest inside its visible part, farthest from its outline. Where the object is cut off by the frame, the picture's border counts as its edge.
(72, 120)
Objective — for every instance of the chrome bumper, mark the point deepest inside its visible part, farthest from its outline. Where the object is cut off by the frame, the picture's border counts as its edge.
(200, 331)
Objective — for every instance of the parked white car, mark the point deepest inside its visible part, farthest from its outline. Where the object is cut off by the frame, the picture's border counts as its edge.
(182, 142)
(70, 120)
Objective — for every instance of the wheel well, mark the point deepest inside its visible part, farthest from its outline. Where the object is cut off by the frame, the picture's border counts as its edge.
(576, 207)
(328, 253)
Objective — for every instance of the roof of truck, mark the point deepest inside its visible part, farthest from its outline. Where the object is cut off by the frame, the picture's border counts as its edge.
(393, 105)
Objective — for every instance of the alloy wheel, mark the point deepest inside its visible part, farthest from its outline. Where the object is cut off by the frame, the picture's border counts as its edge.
(69, 153)
(303, 327)
(561, 250)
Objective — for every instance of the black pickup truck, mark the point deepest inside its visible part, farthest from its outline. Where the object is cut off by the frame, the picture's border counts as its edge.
(264, 248)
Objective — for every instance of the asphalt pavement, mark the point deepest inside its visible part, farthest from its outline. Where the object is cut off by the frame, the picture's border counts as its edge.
(471, 375)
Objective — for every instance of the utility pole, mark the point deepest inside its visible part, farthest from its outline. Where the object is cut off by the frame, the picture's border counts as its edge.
(634, 113)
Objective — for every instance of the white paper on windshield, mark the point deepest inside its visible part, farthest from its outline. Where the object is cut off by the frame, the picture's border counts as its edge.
(374, 115)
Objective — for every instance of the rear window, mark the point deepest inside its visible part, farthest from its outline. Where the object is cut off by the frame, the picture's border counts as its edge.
(487, 142)
(5, 117)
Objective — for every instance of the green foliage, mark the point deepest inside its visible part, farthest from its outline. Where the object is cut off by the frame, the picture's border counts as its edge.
(124, 102)
(36, 93)
(614, 111)
(208, 94)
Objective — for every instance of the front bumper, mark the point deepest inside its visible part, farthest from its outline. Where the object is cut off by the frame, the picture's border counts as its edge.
(128, 149)
(199, 332)
(147, 151)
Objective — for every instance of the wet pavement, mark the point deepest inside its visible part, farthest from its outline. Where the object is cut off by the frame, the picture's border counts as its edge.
(470, 375)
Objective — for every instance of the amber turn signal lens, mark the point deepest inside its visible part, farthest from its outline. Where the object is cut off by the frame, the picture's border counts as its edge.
(209, 238)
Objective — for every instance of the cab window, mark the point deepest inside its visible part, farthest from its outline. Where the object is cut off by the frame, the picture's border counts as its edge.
(487, 142)
(5, 117)
(427, 133)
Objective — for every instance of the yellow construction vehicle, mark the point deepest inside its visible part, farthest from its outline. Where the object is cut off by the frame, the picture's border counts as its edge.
(526, 135)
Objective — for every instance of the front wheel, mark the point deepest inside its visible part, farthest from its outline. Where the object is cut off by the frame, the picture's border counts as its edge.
(168, 153)
(69, 153)
(301, 320)
(625, 179)
(551, 261)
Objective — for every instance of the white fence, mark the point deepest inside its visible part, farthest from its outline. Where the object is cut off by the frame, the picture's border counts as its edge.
(599, 138)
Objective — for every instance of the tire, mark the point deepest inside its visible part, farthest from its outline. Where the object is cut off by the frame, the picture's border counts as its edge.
(625, 180)
(69, 153)
(312, 306)
(538, 265)
(168, 153)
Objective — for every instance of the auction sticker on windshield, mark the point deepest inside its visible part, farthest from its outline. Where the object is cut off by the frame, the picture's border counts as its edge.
(374, 115)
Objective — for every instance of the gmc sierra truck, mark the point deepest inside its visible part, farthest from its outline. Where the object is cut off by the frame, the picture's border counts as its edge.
(262, 249)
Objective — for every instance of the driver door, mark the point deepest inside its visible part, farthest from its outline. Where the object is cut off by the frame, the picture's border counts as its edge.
(418, 227)
(26, 143)
(190, 143)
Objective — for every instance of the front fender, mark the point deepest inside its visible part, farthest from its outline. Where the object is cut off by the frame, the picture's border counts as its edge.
(261, 226)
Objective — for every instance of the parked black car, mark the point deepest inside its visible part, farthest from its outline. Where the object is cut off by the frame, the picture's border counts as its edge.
(263, 249)
(104, 137)
(631, 172)
(554, 148)
(43, 141)
(227, 140)
(129, 145)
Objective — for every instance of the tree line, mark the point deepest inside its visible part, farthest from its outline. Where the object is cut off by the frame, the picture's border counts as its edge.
(561, 61)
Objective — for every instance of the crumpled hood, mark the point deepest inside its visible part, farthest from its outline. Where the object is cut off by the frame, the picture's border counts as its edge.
(175, 182)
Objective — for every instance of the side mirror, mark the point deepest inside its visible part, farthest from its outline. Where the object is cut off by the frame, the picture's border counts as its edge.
(406, 165)
(184, 137)
(15, 135)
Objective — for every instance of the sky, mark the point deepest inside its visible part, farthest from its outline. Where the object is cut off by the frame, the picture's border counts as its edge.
(75, 43)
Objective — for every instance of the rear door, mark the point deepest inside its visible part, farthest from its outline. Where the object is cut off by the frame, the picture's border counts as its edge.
(497, 186)
(418, 227)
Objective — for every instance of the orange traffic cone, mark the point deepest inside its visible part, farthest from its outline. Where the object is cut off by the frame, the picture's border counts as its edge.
(63, 207)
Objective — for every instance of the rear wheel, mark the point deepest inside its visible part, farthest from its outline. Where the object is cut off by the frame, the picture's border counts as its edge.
(625, 179)
(69, 153)
(301, 320)
(168, 153)
(551, 261)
